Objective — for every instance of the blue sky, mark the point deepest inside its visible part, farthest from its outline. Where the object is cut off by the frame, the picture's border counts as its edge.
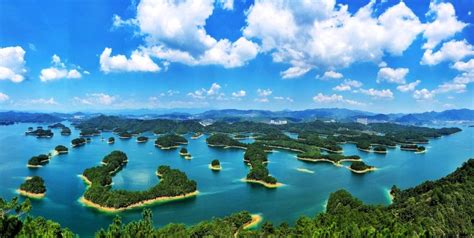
(380, 56)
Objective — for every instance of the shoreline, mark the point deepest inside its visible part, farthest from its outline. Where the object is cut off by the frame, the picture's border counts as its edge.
(227, 146)
(31, 195)
(303, 170)
(321, 160)
(361, 171)
(256, 220)
(284, 148)
(144, 203)
(267, 185)
(167, 148)
(215, 168)
(196, 137)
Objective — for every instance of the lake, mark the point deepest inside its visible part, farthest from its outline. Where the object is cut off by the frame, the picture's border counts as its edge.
(221, 193)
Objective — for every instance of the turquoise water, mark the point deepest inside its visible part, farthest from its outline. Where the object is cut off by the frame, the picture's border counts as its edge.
(221, 193)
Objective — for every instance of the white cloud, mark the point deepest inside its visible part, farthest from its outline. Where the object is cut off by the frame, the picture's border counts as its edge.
(331, 75)
(174, 31)
(264, 92)
(96, 99)
(464, 66)
(423, 94)
(139, 61)
(3, 97)
(280, 98)
(170, 92)
(392, 75)
(348, 85)
(335, 98)
(317, 34)
(238, 94)
(450, 51)
(214, 89)
(384, 93)
(42, 101)
(263, 100)
(198, 94)
(409, 86)
(444, 25)
(227, 4)
(58, 70)
(12, 64)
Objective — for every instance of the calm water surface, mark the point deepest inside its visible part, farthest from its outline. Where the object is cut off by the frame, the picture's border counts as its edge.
(221, 193)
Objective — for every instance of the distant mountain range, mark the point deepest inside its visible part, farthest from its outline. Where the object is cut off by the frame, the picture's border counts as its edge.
(338, 114)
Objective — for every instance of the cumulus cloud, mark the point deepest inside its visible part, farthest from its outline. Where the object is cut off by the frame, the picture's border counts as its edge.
(348, 85)
(335, 98)
(384, 93)
(12, 64)
(3, 97)
(59, 70)
(280, 98)
(331, 75)
(212, 92)
(174, 31)
(423, 94)
(263, 95)
(392, 75)
(139, 61)
(96, 99)
(317, 34)
(444, 25)
(239, 94)
(409, 86)
(449, 51)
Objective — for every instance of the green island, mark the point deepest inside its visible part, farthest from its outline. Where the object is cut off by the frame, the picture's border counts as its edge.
(125, 135)
(38, 161)
(142, 139)
(78, 142)
(197, 135)
(111, 140)
(215, 165)
(173, 185)
(184, 153)
(224, 140)
(360, 167)
(88, 132)
(33, 187)
(61, 149)
(424, 210)
(40, 133)
(56, 126)
(256, 156)
(65, 131)
(380, 149)
(413, 147)
(170, 141)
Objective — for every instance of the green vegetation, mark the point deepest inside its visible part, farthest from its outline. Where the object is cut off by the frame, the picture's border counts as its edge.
(39, 160)
(78, 142)
(363, 145)
(173, 183)
(215, 163)
(412, 147)
(183, 151)
(256, 156)
(223, 140)
(61, 149)
(329, 143)
(111, 140)
(90, 132)
(169, 141)
(380, 149)
(360, 166)
(125, 135)
(65, 131)
(12, 225)
(255, 152)
(56, 125)
(34, 185)
(40, 133)
(142, 139)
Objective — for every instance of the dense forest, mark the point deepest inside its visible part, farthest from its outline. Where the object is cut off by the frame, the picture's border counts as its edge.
(38, 160)
(40, 133)
(256, 156)
(34, 184)
(61, 149)
(172, 183)
(223, 140)
(440, 208)
(78, 142)
(170, 141)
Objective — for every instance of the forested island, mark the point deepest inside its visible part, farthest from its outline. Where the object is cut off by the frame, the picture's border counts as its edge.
(215, 165)
(173, 185)
(224, 140)
(142, 139)
(256, 157)
(38, 161)
(184, 153)
(170, 141)
(197, 135)
(33, 187)
(65, 131)
(40, 133)
(111, 140)
(89, 132)
(125, 135)
(413, 147)
(61, 149)
(360, 167)
(56, 126)
(435, 208)
(78, 142)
